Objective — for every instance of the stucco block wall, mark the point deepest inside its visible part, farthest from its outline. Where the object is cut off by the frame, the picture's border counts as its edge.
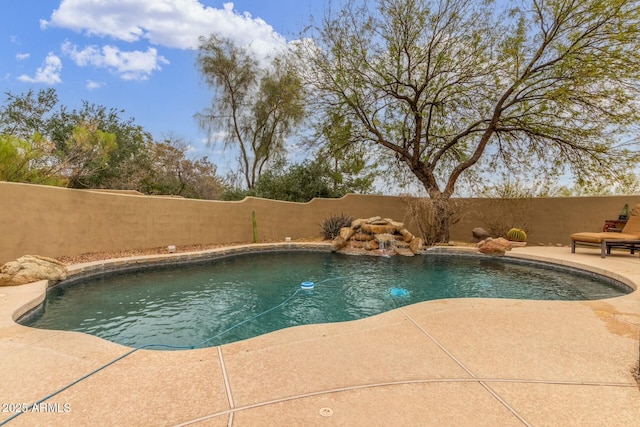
(549, 220)
(54, 221)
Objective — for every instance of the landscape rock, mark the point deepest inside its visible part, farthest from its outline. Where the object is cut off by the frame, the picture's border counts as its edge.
(406, 235)
(384, 238)
(479, 234)
(401, 244)
(346, 232)
(397, 225)
(416, 245)
(492, 246)
(377, 228)
(31, 268)
(357, 223)
(405, 252)
(338, 243)
(371, 245)
(361, 237)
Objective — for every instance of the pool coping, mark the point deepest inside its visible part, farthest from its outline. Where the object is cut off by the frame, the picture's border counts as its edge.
(606, 325)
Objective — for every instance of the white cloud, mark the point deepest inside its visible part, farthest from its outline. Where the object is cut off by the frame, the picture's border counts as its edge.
(170, 23)
(49, 73)
(94, 85)
(132, 65)
(22, 56)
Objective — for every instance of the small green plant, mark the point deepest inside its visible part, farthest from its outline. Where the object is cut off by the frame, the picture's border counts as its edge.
(254, 226)
(516, 235)
(330, 227)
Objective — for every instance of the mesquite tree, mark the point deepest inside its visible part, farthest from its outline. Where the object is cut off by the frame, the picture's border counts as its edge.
(443, 84)
(255, 107)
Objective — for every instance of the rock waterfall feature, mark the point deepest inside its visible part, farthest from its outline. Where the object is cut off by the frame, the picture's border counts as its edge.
(377, 236)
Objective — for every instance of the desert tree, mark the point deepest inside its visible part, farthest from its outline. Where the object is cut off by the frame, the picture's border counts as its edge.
(89, 147)
(350, 164)
(27, 114)
(87, 154)
(28, 160)
(98, 139)
(174, 172)
(256, 105)
(442, 84)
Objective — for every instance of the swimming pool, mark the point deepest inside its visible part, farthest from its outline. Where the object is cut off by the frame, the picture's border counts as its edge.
(235, 298)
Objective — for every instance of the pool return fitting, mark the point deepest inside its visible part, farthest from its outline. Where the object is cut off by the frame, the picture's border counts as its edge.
(32, 407)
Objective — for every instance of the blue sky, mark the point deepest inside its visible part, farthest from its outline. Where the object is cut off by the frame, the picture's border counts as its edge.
(136, 55)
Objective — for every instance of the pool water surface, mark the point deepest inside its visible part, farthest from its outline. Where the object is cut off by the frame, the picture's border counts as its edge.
(235, 298)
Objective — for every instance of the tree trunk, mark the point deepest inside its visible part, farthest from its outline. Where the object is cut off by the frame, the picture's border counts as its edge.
(438, 212)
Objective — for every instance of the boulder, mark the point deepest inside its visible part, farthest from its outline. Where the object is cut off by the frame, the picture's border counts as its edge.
(397, 225)
(371, 245)
(416, 245)
(378, 228)
(404, 252)
(401, 244)
(338, 243)
(346, 232)
(492, 246)
(406, 234)
(357, 223)
(31, 268)
(385, 238)
(479, 234)
(362, 237)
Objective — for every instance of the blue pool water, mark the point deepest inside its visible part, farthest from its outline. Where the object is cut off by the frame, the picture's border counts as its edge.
(185, 305)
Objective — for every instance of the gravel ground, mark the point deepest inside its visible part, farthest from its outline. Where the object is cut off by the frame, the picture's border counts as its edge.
(99, 256)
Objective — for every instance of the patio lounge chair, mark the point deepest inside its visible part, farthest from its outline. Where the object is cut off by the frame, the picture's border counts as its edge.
(629, 238)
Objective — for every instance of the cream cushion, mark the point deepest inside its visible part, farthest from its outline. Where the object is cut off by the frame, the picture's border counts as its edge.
(605, 235)
(631, 231)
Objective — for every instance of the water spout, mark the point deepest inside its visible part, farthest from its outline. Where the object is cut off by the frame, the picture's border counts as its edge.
(386, 244)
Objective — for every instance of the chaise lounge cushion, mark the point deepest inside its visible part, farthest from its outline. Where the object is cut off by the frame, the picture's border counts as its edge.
(631, 231)
(605, 235)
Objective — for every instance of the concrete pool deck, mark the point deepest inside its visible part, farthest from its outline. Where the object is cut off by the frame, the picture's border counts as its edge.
(460, 362)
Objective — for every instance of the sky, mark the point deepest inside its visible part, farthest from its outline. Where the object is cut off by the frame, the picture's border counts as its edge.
(137, 55)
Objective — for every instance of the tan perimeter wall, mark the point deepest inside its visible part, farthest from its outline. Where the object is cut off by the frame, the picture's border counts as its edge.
(52, 221)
